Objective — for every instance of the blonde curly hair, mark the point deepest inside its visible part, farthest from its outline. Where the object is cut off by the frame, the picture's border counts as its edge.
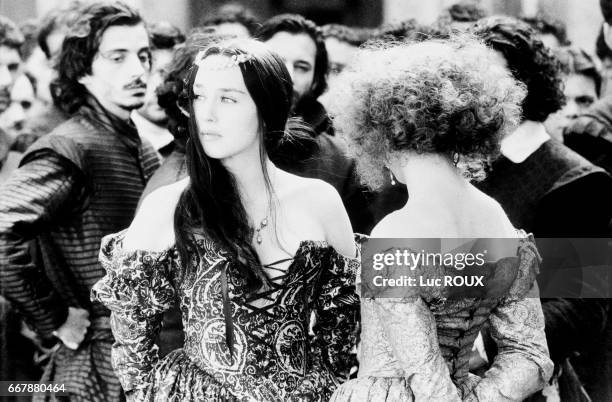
(451, 97)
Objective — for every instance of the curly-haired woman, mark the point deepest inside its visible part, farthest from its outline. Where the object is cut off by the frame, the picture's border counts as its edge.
(431, 119)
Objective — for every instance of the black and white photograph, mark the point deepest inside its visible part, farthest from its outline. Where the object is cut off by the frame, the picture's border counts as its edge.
(305, 200)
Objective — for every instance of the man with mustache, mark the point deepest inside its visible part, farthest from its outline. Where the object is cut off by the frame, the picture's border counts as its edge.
(74, 186)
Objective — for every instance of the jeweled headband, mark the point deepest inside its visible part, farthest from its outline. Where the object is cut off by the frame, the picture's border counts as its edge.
(231, 60)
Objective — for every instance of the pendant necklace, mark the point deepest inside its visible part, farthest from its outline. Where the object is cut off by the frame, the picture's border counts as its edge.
(262, 224)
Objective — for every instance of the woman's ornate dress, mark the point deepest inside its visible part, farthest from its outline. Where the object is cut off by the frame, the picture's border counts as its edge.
(237, 347)
(418, 348)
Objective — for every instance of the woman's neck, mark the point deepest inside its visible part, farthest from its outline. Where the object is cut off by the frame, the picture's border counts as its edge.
(248, 172)
(432, 180)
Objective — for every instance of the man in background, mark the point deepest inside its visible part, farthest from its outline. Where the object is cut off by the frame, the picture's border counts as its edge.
(74, 186)
(300, 44)
(151, 119)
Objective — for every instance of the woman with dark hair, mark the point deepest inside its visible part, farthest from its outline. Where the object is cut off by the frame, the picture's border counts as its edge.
(174, 166)
(249, 250)
(432, 120)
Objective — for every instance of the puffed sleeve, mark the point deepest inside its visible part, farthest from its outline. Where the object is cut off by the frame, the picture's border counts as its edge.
(409, 327)
(336, 313)
(522, 365)
(137, 289)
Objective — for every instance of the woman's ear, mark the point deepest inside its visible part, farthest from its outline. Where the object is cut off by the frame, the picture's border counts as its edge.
(183, 110)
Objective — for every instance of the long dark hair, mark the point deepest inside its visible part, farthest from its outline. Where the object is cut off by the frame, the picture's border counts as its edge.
(81, 46)
(211, 204)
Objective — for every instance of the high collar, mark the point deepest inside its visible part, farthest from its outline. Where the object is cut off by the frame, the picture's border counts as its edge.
(524, 141)
(93, 111)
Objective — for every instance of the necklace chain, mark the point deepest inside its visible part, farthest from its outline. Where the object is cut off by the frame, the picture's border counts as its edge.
(262, 224)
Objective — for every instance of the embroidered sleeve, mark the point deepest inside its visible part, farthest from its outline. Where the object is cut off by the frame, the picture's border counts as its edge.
(337, 315)
(409, 328)
(137, 290)
(522, 365)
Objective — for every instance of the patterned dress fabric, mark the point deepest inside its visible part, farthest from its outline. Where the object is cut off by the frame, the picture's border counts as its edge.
(418, 347)
(238, 347)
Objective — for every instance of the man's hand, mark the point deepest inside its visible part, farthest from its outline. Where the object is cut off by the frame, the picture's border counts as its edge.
(73, 331)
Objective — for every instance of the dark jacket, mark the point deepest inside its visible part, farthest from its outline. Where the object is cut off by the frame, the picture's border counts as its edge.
(38, 126)
(590, 134)
(74, 186)
(557, 193)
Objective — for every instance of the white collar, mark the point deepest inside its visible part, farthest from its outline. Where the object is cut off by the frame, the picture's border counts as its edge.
(524, 141)
(158, 136)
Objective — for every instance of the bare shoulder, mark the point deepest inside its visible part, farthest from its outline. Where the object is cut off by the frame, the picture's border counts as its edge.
(314, 195)
(321, 202)
(398, 224)
(323, 195)
(153, 226)
(493, 216)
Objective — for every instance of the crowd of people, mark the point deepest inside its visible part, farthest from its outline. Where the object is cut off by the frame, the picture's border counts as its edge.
(182, 214)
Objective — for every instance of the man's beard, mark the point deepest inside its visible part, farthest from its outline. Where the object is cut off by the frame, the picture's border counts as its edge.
(132, 106)
(140, 101)
(297, 101)
(301, 102)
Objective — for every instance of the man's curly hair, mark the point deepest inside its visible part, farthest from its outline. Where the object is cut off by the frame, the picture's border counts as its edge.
(445, 97)
(529, 60)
